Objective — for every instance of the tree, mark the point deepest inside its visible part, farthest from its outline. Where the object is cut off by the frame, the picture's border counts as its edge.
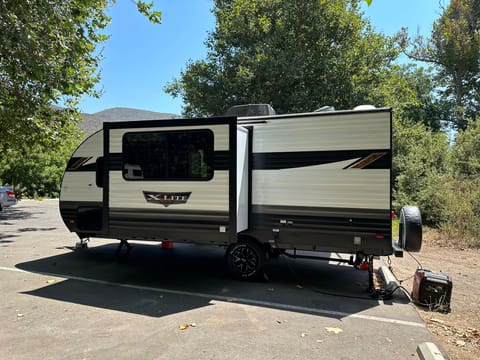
(412, 93)
(296, 55)
(467, 152)
(49, 52)
(36, 169)
(454, 50)
(421, 166)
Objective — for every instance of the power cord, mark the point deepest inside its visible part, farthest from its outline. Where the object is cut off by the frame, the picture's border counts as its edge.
(414, 258)
(316, 290)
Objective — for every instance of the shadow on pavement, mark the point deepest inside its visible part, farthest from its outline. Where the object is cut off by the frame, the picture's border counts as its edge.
(13, 213)
(156, 282)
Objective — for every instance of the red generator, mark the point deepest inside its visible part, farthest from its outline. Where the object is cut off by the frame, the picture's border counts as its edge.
(432, 289)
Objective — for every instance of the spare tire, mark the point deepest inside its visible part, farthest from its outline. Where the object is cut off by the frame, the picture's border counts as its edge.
(410, 233)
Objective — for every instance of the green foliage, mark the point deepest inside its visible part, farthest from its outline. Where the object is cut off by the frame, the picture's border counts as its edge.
(411, 92)
(153, 16)
(467, 151)
(439, 177)
(395, 228)
(454, 50)
(36, 169)
(47, 53)
(295, 55)
(462, 206)
(421, 163)
(463, 193)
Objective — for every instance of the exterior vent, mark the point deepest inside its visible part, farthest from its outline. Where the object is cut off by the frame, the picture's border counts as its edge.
(364, 107)
(251, 110)
(325, 109)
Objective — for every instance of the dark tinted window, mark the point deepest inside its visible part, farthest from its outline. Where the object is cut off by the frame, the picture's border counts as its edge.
(99, 172)
(168, 155)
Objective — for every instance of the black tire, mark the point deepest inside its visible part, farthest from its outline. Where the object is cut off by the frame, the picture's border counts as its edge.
(245, 259)
(410, 228)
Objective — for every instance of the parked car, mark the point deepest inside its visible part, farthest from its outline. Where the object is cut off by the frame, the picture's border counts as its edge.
(7, 197)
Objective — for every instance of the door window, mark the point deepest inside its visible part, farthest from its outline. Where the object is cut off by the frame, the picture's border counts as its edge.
(179, 155)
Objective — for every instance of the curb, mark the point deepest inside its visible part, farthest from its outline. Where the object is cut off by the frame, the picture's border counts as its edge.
(391, 282)
(426, 350)
(429, 351)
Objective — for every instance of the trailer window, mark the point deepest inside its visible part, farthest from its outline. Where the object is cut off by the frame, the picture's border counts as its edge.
(168, 155)
(99, 172)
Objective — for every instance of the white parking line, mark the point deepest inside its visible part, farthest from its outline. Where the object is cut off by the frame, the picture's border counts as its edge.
(227, 299)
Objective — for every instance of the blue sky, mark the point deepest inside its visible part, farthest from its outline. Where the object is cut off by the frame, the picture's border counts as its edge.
(141, 58)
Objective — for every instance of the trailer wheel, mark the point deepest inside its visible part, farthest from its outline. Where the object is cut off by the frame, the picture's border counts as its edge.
(245, 259)
(410, 233)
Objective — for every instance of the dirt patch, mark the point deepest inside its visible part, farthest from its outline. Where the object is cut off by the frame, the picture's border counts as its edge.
(458, 332)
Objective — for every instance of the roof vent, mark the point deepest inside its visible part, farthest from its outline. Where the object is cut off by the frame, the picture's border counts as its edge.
(325, 108)
(364, 107)
(250, 110)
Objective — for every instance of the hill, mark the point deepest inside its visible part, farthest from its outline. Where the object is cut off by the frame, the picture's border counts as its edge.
(93, 122)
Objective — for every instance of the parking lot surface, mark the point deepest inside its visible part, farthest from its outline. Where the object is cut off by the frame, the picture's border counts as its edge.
(60, 303)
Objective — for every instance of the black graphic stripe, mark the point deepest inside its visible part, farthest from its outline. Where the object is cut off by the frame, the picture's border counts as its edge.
(361, 159)
(222, 160)
(288, 160)
(78, 163)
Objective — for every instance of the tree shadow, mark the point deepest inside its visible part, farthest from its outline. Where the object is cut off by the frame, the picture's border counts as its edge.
(14, 213)
(36, 229)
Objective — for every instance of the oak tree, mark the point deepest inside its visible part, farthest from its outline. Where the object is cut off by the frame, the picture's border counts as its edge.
(295, 55)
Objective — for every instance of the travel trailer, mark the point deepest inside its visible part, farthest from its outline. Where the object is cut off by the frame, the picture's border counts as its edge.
(257, 185)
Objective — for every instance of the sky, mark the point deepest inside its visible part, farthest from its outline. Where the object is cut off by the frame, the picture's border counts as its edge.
(140, 58)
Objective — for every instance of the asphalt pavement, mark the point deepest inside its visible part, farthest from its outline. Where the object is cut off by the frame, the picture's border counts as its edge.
(58, 302)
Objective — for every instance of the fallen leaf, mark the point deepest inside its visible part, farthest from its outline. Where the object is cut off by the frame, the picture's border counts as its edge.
(51, 281)
(335, 330)
(186, 326)
(303, 334)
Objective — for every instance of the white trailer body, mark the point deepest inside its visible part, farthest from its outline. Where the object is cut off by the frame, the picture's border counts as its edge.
(322, 181)
(313, 181)
(150, 179)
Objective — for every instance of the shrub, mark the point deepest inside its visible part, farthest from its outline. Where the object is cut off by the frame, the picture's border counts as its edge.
(461, 222)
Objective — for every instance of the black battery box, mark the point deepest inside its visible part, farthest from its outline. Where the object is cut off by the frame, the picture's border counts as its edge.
(432, 289)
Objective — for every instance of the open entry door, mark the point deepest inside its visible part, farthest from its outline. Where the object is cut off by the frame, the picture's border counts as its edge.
(172, 180)
(242, 179)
